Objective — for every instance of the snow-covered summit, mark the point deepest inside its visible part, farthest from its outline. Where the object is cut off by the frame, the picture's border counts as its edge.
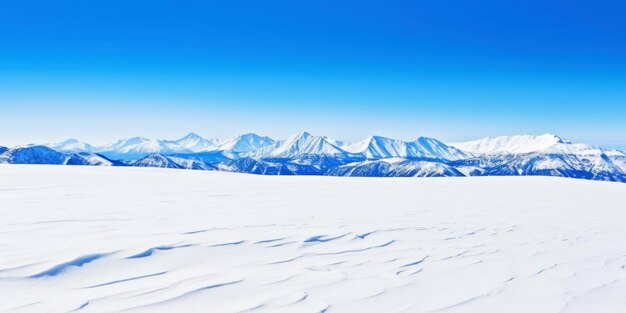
(246, 142)
(510, 144)
(135, 147)
(71, 145)
(426, 147)
(377, 147)
(300, 144)
(520, 144)
(123, 143)
(196, 143)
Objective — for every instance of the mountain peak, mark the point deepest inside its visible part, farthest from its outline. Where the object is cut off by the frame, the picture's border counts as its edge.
(300, 144)
(246, 142)
(302, 134)
(71, 145)
(511, 144)
(422, 138)
(133, 140)
(195, 143)
(70, 141)
(378, 147)
(249, 136)
(191, 135)
(377, 138)
(556, 138)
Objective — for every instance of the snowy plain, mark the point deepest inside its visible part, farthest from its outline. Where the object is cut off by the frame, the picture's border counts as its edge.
(102, 239)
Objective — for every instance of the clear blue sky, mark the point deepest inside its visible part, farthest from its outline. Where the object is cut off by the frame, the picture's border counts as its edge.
(102, 69)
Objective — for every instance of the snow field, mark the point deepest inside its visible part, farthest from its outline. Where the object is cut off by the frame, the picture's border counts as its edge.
(101, 239)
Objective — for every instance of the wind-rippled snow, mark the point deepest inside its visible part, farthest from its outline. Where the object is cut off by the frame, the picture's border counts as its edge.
(101, 239)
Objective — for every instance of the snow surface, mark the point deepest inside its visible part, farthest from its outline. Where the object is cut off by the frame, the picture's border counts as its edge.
(106, 239)
(510, 144)
(246, 142)
(195, 143)
(71, 145)
(132, 148)
(299, 144)
(377, 147)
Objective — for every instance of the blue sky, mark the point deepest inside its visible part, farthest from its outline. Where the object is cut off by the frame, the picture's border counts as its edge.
(454, 70)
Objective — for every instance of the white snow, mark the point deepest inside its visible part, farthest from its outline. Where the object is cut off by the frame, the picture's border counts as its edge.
(95, 159)
(377, 147)
(107, 239)
(509, 144)
(71, 145)
(194, 143)
(246, 142)
(612, 161)
(298, 145)
(137, 147)
(143, 145)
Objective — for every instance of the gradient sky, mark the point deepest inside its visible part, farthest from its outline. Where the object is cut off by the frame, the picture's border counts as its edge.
(98, 70)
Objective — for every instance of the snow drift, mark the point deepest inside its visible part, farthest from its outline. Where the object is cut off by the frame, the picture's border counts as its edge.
(107, 239)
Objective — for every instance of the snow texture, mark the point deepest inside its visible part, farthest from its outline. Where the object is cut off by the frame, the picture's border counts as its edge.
(130, 239)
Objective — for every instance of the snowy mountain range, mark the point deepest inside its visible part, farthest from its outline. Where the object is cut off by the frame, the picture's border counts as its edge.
(377, 147)
(45, 155)
(246, 143)
(510, 144)
(193, 142)
(306, 154)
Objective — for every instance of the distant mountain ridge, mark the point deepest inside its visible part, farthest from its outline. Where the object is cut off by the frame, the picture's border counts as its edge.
(307, 154)
(195, 143)
(510, 144)
(45, 155)
(377, 147)
(246, 143)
